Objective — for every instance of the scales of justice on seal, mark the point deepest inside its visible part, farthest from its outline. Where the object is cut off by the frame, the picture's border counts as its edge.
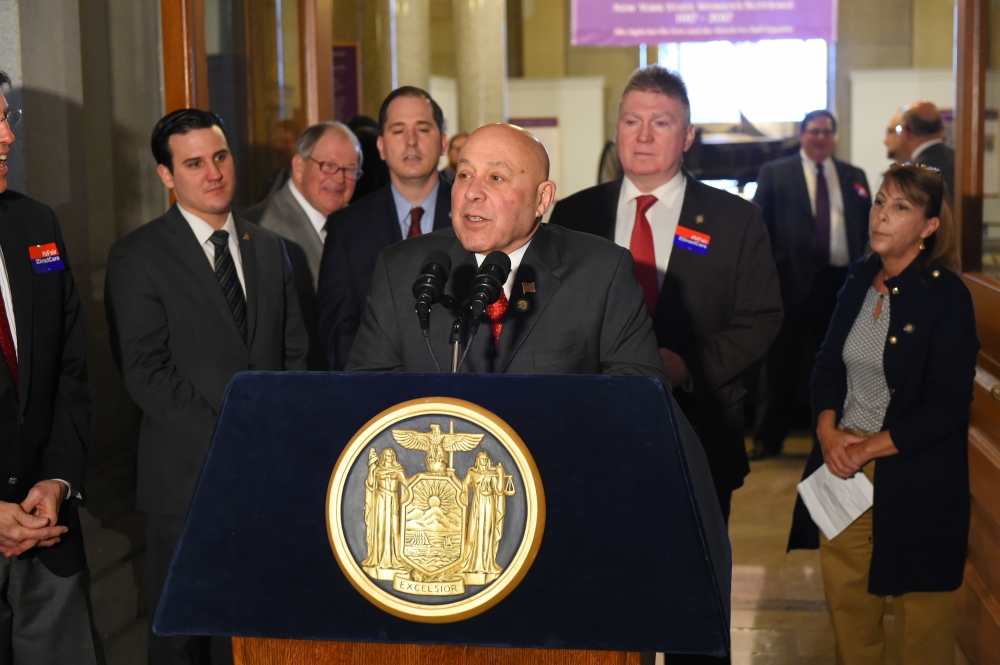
(435, 510)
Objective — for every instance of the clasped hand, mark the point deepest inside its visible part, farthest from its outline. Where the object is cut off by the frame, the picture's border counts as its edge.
(842, 452)
(33, 522)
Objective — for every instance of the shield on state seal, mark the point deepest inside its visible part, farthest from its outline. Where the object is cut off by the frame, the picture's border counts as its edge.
(433, 523)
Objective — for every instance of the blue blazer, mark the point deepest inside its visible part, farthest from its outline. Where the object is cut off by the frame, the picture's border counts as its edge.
(921, 510)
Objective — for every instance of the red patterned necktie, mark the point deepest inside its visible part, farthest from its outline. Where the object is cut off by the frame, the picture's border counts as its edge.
(415, 215)
(496, 312)
(7, 344)
(643, 253)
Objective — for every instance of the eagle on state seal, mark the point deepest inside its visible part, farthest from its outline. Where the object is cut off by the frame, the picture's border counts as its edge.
(437, 443)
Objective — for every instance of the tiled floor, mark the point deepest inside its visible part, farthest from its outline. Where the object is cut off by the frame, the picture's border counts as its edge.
(779, 614)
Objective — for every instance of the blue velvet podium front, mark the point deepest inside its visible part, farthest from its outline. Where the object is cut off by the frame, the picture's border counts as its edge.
(634, 556)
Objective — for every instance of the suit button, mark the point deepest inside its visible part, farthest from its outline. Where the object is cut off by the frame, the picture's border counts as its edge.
(895, 290)
(892, 391)
(893, 340)
(908, 328)
(12, 481)
(936, 273)
(250, 367)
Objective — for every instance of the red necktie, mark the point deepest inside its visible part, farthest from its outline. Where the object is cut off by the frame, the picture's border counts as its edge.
(496, 312)
(415, 215)
(7, 344)
(641, 245)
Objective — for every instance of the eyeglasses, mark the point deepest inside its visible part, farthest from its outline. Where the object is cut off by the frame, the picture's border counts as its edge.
(825, 133)
(897, 130)
(12, 117)
(333, 168)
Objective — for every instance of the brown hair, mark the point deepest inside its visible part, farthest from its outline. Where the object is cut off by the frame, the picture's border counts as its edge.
(656, 78)
(924, 186)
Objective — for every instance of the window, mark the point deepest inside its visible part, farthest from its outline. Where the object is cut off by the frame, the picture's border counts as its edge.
(777, 80)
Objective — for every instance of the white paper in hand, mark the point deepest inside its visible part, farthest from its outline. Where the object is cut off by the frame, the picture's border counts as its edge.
(834, 503)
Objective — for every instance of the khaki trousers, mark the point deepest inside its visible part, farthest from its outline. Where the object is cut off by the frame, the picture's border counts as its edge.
(925, 622)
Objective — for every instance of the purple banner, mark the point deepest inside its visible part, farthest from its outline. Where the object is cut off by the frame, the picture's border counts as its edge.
(625, 23)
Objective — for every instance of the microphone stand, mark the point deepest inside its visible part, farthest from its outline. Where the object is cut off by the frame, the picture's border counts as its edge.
(454, 339)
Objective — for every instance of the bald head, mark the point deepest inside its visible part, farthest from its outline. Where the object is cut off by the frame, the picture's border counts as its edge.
(501, 189)
(921, 122)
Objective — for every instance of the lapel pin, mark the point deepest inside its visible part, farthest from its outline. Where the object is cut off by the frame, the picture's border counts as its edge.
(522, 305)
(699, 219)
(246, 236)
(527, 287)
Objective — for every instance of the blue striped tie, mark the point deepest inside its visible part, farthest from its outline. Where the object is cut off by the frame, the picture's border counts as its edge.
(225, 271)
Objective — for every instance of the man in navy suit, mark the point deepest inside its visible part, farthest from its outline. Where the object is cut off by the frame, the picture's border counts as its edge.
(416, 201)
(45, 612)
(816, 211)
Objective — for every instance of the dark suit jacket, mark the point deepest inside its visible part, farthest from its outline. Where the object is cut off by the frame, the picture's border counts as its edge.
(921, 511)
(719, 311)
(784, 198)
(282, 214)
(356, 235)
(942, 158)
(43, 428)
(585, 315)
(177, 344)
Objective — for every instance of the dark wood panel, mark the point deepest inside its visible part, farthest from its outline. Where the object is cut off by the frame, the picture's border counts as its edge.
(972, 37)
(258, 651)
(978, 626)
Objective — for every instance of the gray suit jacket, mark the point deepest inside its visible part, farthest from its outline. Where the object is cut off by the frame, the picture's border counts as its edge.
(282, 214)
(177, 344)
(584, 316)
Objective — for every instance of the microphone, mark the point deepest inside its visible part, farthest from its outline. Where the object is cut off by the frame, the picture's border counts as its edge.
(487, 286)
(429, 286)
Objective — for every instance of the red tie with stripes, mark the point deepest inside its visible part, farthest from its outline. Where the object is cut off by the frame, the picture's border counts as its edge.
(7, 343)
(643, 253)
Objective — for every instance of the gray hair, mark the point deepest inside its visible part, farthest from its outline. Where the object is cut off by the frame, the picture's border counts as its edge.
(310, 137)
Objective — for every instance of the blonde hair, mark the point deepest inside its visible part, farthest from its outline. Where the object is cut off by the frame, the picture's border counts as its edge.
(924, 186)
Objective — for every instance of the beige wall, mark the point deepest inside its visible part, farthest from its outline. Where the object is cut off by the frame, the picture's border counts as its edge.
(933, 33)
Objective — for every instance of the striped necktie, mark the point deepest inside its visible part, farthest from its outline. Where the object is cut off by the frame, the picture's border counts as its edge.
(225, 271)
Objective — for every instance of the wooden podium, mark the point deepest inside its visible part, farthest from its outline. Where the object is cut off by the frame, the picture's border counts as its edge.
(266, 651)
(634, 557)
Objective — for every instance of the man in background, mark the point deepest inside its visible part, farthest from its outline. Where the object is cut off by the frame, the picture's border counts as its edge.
(45, 610)
(703, 261)
(454, 150)
(416, 201)
(919, 139)
(325, 168)
(816, 211)
(192, 298)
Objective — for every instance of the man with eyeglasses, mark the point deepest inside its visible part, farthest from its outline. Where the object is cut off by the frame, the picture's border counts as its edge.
(44, 412)
(816, 211)
(325, 168)
(414, 202)
(916, 136)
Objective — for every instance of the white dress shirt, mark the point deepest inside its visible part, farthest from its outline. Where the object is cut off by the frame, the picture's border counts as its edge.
(316, 218)
(839, 254)
(922, 147)
(663, 217)
(203, 231)
(515, 263)
(8, 301)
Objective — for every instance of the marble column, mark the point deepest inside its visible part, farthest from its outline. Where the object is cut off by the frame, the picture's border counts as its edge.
(413, 42)
(481, 62)
(378, 53)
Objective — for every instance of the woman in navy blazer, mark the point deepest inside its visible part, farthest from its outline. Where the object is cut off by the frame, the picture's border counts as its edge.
(911, 544)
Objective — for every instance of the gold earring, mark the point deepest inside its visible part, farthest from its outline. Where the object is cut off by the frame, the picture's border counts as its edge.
(922, 247)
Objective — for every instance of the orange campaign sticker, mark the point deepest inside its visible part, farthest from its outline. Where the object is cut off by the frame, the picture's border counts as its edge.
(45, 258)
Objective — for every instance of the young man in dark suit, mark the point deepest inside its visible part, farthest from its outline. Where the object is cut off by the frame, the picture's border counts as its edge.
(702, 258)
(193, 297)
(816, 211)
(416, 201)
(44, 422)
(570, 304)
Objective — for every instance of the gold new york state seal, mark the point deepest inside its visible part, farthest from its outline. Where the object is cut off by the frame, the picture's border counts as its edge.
(435, 510)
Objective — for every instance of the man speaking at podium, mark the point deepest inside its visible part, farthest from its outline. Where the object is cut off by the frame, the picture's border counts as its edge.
(569, 305)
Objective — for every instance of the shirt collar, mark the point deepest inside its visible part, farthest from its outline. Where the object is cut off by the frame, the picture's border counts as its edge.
(923, 146)
(202, 229)
(665, 193)
(827, 163)
(403, 206)
(316, 218)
